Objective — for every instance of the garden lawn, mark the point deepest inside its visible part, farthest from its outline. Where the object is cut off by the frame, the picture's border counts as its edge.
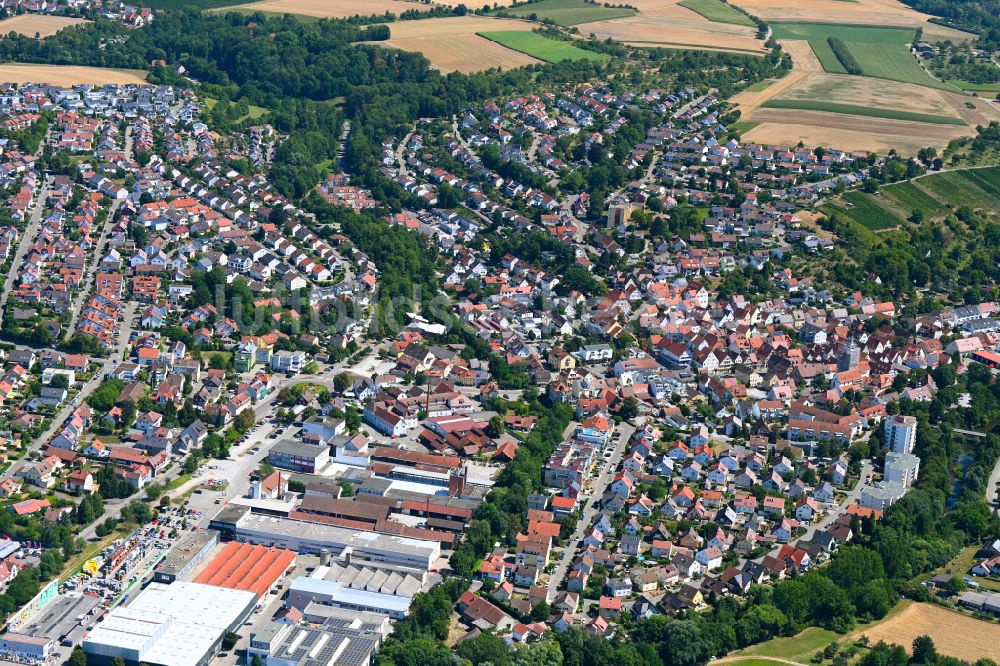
(543, 48)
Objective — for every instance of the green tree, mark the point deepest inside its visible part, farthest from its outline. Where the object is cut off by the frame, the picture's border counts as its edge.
(541, 611)
(78, 657)
(485, 648)
(924, 651)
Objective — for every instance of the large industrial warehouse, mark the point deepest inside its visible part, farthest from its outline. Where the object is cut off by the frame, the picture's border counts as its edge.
(181, 624)
(306, 537)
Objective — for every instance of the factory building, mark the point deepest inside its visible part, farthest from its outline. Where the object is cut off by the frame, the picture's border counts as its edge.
(346, 545)
(185, 556)
(338, 641)
(181, 624)
(242, 566)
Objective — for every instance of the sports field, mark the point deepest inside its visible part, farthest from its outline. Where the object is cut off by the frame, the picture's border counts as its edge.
(717, 11)
(67, 75)
(568, 12)
(452, 43)
(537, 46)
(43, 26)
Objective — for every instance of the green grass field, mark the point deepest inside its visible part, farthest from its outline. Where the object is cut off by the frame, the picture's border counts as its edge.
(760, 86)
(798, 647)
(717, 11)
(975, 87)
(849, 33)
(882, 53)
(892, 114)
(540, 47)
(253, 112)
(567, 12)
(889, 61)
(742, 126)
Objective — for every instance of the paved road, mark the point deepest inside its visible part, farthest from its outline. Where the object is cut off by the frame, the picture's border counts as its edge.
(991, 486)
(400, 154)
(91, 269)
(598, 487)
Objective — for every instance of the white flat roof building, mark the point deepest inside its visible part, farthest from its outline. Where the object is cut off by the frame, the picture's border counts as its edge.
(181, 624)
(901, 468)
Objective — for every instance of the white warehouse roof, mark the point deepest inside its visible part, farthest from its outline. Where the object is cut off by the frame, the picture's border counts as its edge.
(176, 624)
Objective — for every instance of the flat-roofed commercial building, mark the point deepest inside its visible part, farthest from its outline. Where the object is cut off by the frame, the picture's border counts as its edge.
(339, 642)
(299, 457)
(185, 556)
(348, 544)
(29, 648)
(181, 624)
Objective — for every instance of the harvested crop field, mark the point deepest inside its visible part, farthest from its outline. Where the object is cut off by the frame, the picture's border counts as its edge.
(847, 132)
(451, 43)
(862, 12)
(803, 57)
(862, 91)
(67, 75)
(30, 25)
(667, 23)
(950, 631)
(329, 8)
(750, 99)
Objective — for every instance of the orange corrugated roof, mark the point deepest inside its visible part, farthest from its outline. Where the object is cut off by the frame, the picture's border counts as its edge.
(242, 566)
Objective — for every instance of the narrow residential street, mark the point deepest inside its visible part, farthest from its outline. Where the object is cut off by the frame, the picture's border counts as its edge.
(25, 241)
(598, 488)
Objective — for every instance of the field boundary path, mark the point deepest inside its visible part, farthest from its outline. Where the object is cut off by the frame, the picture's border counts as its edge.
(741, 657)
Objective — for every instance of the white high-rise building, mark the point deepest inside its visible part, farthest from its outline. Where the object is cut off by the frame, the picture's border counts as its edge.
(900, 433)
(901, 468)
